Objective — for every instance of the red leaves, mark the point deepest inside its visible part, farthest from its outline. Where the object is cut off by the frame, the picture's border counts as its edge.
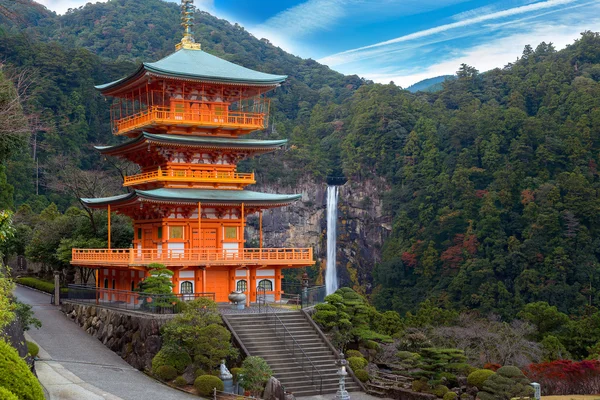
(527, 196)
(409, 259)
(464, 246)
(566, 376)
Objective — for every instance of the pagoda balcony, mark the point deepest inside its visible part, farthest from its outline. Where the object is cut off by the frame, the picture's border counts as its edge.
(186, 176)
(131, 258)
(176, 119)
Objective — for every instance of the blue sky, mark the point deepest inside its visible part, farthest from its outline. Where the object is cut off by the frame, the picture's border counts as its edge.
(404, 41)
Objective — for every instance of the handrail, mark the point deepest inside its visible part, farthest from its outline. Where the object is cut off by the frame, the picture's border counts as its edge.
(217, 117)
(269, 311)
(133, 256)
(187, 175)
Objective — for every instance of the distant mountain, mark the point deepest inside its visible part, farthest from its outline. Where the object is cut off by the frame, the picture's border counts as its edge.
(430, 85)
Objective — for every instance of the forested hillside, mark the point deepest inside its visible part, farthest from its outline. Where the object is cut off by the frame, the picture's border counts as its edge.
(494, 179)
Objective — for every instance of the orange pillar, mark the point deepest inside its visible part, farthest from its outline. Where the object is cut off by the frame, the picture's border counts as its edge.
(243, 225)
(252, 283)
(277, 283)
(248, 287)
(200, 243)
(204, 280)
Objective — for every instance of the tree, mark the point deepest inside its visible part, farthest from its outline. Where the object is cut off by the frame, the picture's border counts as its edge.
(508, 382)
(158, 283)
(254, 375)
(198, 330)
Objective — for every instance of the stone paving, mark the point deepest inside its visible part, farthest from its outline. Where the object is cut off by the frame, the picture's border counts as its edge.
(75, 366)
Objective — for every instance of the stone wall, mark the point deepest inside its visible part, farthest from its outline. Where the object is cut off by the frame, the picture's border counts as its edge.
(133, 336)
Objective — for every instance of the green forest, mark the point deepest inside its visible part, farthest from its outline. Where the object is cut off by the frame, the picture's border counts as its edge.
(494, 181)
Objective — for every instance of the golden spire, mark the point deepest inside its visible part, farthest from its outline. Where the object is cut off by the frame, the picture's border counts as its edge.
(187, 20)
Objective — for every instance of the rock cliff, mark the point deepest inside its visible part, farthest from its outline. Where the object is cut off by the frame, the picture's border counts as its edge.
(362, 227)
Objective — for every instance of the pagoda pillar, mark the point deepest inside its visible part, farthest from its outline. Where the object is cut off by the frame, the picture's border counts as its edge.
(252, 283)
(277, 283)
(248, 287)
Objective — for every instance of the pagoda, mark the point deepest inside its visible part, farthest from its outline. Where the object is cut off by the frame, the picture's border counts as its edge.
(185, 118)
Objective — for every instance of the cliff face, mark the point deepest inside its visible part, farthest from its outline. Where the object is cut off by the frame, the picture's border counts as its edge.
(361, 227)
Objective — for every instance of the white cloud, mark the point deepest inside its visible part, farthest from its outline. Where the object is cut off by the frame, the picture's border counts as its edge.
(490, 55)
(382, 47)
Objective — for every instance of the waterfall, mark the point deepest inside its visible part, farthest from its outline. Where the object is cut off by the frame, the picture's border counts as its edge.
(331, 283)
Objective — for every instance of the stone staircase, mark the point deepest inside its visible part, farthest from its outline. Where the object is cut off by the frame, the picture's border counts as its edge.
(256, 333)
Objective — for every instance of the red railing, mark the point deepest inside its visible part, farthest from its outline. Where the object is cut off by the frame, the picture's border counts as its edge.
(131, 256)
(209, 117)
(191, 176)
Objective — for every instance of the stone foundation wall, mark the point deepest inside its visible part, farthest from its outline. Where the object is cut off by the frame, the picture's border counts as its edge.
(133, 336)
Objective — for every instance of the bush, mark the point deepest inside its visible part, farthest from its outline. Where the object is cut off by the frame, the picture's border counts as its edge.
(6, 394)
(15, 375)
(32, 349)
(373, 345)
(440, 390)
(200, 372)
(166, 372)
(172, 356)
(38, 284)
(361, 375)
(255, 374)
(180, 381)
(450, 396)
(353, 353)
(420, 385)
(506, 383)
(477, 378)
(205, 384)
(357, 363)
(236, 373)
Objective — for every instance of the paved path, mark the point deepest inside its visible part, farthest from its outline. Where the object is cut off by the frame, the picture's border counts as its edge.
(76, 366)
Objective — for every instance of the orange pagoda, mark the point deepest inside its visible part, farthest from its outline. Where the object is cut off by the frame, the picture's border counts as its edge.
(185, 117)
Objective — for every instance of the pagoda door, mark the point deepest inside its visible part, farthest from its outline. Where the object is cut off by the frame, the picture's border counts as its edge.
(207, 243)
(148, 243)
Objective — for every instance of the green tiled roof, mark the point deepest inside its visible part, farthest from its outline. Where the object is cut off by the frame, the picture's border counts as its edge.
(197, 64)
(200, 141)
(233, 197)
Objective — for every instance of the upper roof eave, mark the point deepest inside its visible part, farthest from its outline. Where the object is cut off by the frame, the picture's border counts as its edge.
(196, 141)
(201, 66)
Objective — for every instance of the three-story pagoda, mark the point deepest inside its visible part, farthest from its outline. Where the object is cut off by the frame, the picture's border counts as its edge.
(185, 117)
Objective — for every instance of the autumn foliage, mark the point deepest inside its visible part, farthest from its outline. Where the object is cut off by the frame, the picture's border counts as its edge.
(566, 376)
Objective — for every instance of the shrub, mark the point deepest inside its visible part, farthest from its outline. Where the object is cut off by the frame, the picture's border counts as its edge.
(180, 381)
(255, 374)
(236, 373)
(32, 349)
(477, 378)
(492, 366)
(6, 394)
(440, 390)
(205, 384)
(173, 356)
(15, 375)
(353, 353)
(200, 372)
(357, 363)
(506, 383)
(450, 378)
(361, 375)
(450, 396)
(166, 372)
(420, 385)
(373, 345)
(566, 376)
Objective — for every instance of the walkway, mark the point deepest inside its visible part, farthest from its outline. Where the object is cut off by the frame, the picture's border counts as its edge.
(76, 366)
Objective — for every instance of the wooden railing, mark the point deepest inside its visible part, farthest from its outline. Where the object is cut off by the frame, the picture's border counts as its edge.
(190, 176)
(215, 117)
(131, 256)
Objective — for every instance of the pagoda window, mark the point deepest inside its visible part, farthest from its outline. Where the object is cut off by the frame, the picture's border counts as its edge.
(132, 286)
(266, 285)
(139, 233)
(176, 232)
(159, 232)
(187, 287)
(242, 285)
(231, 232)
(113, 284)
(105, 283)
